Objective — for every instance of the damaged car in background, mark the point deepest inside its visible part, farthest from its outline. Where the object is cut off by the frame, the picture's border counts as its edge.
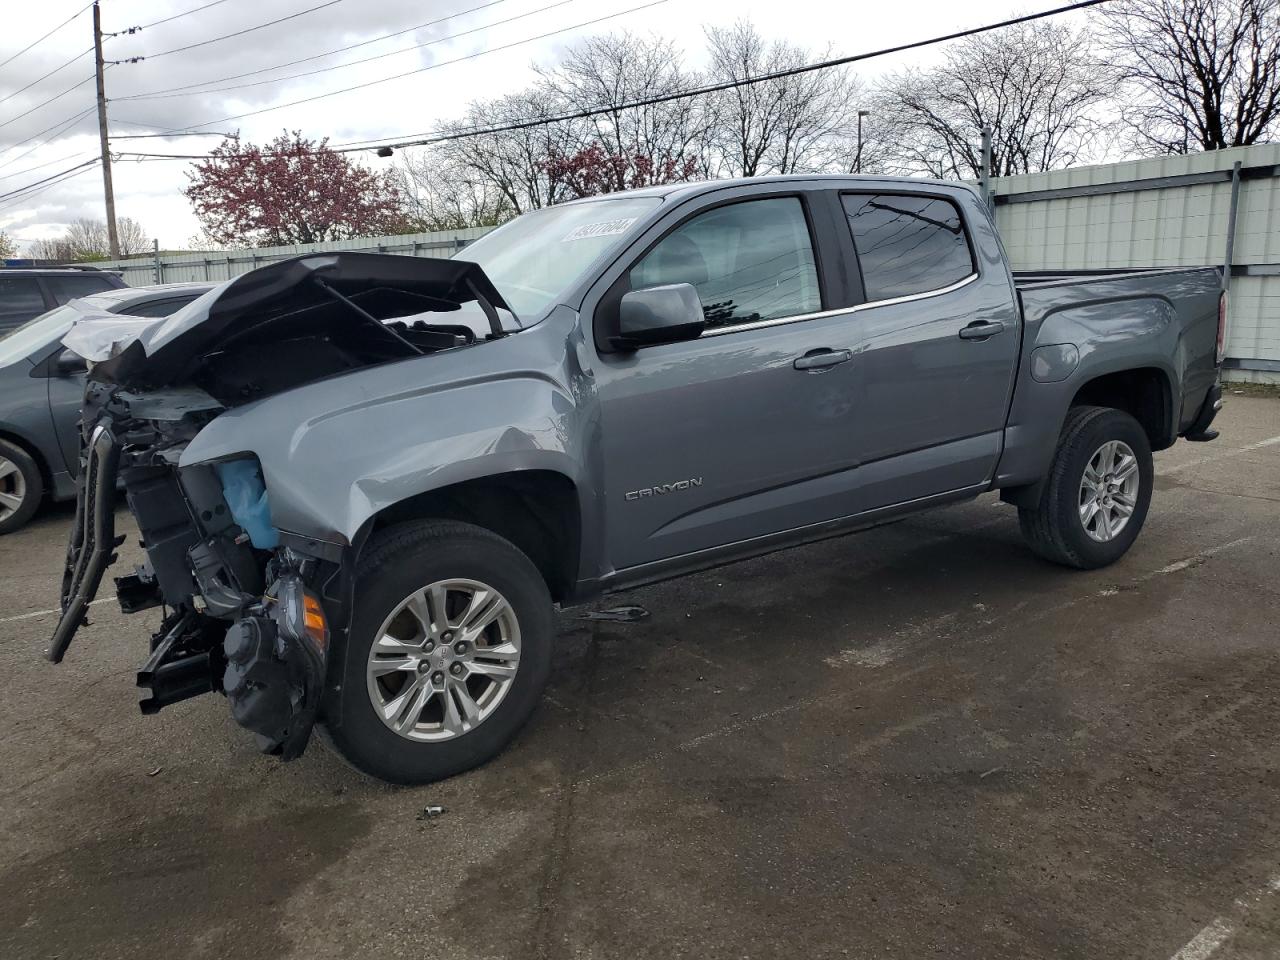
(362, 482)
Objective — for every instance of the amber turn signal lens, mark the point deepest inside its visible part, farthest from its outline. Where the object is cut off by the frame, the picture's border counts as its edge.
(313, 619)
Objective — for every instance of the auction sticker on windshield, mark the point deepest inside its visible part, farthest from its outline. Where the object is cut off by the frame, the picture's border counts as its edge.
(606, 228)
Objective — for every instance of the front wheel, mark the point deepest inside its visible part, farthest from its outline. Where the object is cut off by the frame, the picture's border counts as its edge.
(21, 487)
(449, 649)
(1096, 497)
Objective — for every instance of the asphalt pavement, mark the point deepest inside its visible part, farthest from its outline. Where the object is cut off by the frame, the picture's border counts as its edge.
(912, 742)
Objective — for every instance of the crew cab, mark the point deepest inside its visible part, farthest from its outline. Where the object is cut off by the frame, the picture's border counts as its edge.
(363, 481)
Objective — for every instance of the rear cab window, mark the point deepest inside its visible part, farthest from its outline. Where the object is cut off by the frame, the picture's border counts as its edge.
(907, 244)
(750, 261)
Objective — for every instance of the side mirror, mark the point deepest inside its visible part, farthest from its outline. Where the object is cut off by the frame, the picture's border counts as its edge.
(68, 364)
(663, 314)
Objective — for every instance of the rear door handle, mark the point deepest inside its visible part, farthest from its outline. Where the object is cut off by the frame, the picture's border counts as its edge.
(981, 329)
(822, 358)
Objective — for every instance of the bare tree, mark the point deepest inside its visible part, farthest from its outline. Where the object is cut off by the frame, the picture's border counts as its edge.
(51, 248)
(7, 247)
(803, 122)
(86, 239)
(1035, 85)
(132, 236)
(1205, 74)
(607, 72)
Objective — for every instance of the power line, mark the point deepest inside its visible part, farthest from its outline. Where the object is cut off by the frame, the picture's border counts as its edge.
(43, 103)
(47, 75)
(49, 186)
(434, 66)
(38, 166)
(440, 136)
(179, 16)
(239, 33)
(64, 125)
(318, 56)
(46, 36)
(54, 176)
(353, 63)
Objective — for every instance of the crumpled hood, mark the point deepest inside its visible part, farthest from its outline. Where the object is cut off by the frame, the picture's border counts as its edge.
(296, 294)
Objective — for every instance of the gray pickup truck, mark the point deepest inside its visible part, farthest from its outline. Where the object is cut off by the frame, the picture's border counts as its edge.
(363, 481)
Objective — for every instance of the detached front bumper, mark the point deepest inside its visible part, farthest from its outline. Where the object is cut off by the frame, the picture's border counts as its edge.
(93, 537)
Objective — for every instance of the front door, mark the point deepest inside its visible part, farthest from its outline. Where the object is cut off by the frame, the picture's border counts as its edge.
(748, 429)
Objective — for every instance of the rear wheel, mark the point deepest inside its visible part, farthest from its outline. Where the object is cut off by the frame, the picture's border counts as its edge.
(450, 647)
(21, 487)
(1096, 497)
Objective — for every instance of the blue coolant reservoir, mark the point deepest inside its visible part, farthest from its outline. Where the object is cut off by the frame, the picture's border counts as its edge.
(246, 496)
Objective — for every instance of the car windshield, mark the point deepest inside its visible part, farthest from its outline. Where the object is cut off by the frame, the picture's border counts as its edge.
(535, 258)
(43, 331)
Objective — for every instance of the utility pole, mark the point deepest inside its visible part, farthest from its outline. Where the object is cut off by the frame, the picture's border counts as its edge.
(857, 159)
(107, 190)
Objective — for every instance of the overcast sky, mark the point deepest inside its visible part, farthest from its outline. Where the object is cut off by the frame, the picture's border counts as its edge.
(149, 191)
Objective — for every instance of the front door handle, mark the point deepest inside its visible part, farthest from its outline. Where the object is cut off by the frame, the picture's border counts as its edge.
(981, 329)
(821, 359)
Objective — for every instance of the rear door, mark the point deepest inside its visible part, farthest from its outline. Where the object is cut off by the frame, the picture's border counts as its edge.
(937, 345)
(724, 438)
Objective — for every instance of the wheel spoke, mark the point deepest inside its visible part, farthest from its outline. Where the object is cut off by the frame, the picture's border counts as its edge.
(1124, 504)
(404, 711)
(387, 644)
(1104, 524)
(1091, 475)
(7, 468)
(10, 500)
(485, 607)
(469, 708)
(384, 665)
(1127, 468)
(1087, 512)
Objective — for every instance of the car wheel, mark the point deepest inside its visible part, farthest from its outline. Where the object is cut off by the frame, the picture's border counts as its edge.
(448, 652)
(1096, 497)
(21, 487)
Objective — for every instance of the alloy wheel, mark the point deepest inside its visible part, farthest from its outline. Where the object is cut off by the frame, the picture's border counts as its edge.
(13, 488)
(1109, 490)
(443, 660)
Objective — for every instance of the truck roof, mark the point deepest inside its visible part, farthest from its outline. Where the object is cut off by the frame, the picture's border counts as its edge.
(695, 187)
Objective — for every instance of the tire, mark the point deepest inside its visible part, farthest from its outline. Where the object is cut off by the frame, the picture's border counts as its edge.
(397, 567)
(21, 487)
(1056, 529)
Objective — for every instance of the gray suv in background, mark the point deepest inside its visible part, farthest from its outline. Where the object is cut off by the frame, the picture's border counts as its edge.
(27, 293)
(42, 386)
(363, 481)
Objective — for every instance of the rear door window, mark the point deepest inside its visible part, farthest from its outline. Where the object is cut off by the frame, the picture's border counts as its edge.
(907, 244)
(749, 261)
(20, 300)
(64, 288)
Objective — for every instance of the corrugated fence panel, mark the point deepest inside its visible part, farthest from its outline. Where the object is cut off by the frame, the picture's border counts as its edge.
(1165, 223)
(226, 264)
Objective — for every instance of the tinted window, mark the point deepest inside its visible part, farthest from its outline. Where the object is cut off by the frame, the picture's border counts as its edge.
(20, 300)
(64, 288)
(156, 308)
(907, 245)
(748, 261)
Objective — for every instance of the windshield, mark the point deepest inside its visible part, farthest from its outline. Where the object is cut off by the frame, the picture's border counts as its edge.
(43, 331)
(535, 258)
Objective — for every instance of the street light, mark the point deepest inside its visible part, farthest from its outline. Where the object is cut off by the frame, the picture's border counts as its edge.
(857, 159)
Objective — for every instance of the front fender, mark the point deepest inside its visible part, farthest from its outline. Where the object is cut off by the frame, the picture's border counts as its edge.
(336, 452)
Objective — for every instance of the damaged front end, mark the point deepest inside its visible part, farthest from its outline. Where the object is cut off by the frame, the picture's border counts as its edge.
(241, 616)
(248, 610)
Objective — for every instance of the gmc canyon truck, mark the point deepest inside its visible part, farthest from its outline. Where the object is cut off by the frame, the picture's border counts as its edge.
(363, 481)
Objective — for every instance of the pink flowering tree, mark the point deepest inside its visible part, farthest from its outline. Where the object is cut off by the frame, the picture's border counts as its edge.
(292, 190)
